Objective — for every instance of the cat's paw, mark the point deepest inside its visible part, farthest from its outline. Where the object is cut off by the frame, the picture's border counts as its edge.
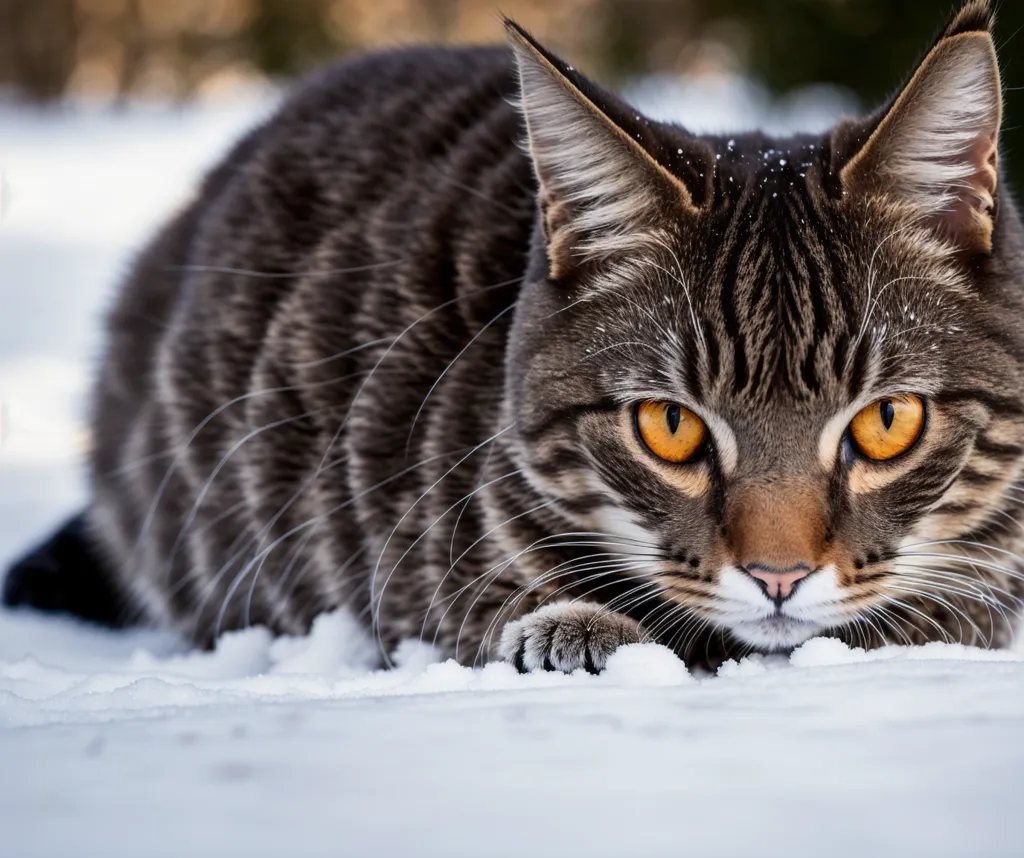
(565, 636)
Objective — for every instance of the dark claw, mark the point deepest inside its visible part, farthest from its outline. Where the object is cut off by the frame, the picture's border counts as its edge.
(520, 662)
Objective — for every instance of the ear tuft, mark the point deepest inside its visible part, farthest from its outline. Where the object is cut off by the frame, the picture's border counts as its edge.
(936, 147)
(976, 16)
(601, 190)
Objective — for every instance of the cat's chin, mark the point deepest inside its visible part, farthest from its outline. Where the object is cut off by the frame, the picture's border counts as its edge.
(774, 633)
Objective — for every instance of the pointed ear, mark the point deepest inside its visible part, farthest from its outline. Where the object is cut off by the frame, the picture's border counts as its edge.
(936, 145)
(604, 188)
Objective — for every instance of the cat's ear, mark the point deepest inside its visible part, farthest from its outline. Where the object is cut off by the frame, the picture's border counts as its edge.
(604, 186)
(936, 145)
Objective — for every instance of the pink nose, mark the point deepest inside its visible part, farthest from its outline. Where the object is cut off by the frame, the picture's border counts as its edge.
(778, 584)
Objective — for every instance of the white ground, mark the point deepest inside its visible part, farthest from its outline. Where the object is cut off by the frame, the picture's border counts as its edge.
(129, 745)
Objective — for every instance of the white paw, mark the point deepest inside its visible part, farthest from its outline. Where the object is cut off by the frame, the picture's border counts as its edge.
(565, 636)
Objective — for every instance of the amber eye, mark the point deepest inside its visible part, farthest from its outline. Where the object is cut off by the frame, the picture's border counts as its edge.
(888, 427)
(670, 431)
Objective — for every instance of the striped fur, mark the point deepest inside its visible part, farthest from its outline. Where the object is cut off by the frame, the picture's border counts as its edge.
(389, 358)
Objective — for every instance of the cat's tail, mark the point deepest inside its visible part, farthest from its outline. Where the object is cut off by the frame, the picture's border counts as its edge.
(66, 574)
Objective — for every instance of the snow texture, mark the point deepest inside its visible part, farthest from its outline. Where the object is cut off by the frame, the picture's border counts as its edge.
(128, 744)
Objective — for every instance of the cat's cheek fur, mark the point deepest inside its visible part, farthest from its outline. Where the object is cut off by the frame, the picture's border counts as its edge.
(616, 521)
(566, 636)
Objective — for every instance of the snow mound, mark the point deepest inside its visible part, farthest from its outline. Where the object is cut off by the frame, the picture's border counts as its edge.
(127, 744)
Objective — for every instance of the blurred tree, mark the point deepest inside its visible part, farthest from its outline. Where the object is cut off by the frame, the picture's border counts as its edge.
(37, 45)
(290, 36)
(177, 48)
(868, 46)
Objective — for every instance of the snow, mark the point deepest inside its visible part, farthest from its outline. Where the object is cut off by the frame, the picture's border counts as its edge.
(128, 744)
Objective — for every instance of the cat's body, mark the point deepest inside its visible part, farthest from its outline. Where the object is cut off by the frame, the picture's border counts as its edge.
(370, 366)
(373, 266)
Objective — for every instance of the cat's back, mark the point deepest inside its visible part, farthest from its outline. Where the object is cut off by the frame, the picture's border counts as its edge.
(383, 188)
(380, 116)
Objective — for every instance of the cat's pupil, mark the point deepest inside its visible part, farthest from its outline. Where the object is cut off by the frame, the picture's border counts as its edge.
(888, 413)
(672, 417)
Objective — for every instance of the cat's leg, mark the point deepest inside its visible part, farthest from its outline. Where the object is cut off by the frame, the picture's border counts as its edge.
(565, 636)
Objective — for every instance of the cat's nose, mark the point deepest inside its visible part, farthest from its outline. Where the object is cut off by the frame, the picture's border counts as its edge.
(778, 584)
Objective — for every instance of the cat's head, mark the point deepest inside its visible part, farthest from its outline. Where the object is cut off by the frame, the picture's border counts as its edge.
(777, 374)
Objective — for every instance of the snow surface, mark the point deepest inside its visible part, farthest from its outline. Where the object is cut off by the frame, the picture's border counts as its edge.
(128, 744)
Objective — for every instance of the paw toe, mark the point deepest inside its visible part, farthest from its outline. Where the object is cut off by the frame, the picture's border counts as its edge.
(565, 637)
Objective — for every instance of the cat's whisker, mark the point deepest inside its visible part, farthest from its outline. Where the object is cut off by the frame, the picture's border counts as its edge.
(890, 622)
(375, 597)
(680, 610)
(469, 189)
(542, 544)
(294, 569)
(280, 275)
(988, 601)
(445, 371)
(222, 516)
(869, 305)
(185, 528)
(510, 606)
(950, 575)
(681, 280)
(182, 449)
(313, 520)
(874, 301)
(870, 616)
(211, 478)
(968, 561)
(455, 528)
(630, 600)
(621, 345)
(685, 627)
(917, 613)
(401, 335)
(931, 590)
(512, 601)
(320, 468)
(896, 334)
(559, 540)
(933, 594)
(491, 532)
(902, 551)
(318, 362)
(208, 587)
(611, 572)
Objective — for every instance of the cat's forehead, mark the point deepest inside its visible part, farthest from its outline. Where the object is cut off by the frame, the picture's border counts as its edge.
(757, 154)
(750, 161)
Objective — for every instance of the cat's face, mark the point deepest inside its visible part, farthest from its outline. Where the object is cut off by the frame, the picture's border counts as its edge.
(775, 372)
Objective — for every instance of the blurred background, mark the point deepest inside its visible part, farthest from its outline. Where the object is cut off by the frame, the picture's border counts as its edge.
(110, 111)
(182, 49)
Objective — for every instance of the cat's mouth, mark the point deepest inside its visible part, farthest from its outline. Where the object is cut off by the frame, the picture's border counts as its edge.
(777, 632)
(751, 617)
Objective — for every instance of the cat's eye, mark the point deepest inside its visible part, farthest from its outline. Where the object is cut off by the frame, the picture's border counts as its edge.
(888, 427)
(670, 431)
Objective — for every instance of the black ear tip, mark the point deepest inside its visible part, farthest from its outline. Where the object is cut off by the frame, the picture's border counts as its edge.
(526, 45)
(513, 30)
(974, 16)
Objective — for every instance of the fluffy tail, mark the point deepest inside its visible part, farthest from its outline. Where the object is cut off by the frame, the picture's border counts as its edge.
(67, 575)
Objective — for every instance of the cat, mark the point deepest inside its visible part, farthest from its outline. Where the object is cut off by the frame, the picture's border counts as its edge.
(461, 341)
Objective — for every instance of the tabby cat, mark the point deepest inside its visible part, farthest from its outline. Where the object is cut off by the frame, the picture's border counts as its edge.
(462, 342)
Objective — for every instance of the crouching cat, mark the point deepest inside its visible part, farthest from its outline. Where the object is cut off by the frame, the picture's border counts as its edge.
(462, 342)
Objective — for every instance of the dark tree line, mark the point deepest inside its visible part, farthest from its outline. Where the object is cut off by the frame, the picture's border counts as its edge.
(178, 47)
